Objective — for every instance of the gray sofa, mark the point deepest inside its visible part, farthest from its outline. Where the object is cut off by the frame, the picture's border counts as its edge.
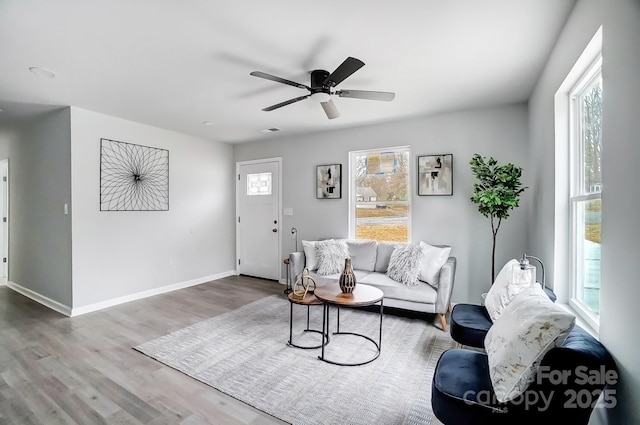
(370, 261)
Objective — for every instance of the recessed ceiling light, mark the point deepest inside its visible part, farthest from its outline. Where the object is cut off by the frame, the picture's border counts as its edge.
(207, 123)
(42, 72)
(270, 130)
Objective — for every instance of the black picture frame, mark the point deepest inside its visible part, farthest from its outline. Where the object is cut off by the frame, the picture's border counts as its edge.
(329, 181)
(435, 175)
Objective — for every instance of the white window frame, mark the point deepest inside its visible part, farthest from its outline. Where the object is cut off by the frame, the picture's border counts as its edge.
(577, 193)
(352, 186)
(583, 72)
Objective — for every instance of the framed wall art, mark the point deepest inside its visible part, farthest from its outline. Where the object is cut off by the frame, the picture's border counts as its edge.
(435, 175)
(329, 181)
(133, 177)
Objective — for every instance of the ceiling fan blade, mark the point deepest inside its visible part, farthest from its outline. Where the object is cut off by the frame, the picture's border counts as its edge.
(285, 103)
(366, 94)
(330, 109)
(266, 76)
(346, 68)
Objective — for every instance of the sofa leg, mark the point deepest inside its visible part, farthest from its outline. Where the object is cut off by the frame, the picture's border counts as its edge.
(443, 321)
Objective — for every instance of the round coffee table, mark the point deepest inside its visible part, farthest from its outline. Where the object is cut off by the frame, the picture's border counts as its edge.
(308, 300)
(362, 295)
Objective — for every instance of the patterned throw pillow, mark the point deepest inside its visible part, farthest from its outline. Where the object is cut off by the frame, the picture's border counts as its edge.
(405, 264)
(330, 255)
(527, 329)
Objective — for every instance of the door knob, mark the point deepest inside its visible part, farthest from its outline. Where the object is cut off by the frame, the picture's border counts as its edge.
(274, 230)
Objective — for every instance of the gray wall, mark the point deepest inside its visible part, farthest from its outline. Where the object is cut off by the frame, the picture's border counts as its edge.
(620, 231)
(6, 137)
(40, 184)
(123, 254)
(499, 131)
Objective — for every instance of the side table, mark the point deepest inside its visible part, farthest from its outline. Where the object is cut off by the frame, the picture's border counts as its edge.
(308, 300)
(287, 289)
(362, 295)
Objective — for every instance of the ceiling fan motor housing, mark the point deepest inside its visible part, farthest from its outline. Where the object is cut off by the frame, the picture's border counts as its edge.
(318, 78)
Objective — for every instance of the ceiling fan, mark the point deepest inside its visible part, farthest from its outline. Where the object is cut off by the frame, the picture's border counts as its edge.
(322, 84)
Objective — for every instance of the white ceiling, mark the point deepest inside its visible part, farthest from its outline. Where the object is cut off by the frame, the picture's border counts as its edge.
(174, 64)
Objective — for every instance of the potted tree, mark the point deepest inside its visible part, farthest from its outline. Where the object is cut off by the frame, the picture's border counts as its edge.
(496, 192)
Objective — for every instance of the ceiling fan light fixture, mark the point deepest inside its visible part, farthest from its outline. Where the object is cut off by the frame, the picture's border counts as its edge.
(321, 97)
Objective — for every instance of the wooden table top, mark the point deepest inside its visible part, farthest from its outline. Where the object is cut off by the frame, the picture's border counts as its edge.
(362, 295)
(309, 299)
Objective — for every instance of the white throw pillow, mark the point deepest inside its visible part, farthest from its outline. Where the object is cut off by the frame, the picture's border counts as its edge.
(434, 259)
(331, 255)
(502, 291)
(383, 255)
(405, 264)
(309, 248)
(528, 328)
(362, 253)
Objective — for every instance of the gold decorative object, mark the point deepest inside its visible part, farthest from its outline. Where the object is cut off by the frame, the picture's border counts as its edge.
(303, 285)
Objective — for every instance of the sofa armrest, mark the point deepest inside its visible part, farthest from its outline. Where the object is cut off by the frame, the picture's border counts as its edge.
(297, 261)
(445, 286)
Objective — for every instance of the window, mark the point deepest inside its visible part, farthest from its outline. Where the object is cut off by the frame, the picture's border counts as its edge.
(579, 186)
(585, 190)
(258, 184)
(379, 206)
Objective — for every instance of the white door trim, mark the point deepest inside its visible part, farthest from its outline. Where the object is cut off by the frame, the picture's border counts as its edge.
(4, 172)
(259, 161)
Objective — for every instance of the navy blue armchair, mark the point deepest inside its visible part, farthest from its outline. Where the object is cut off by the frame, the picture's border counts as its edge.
(569, 381)
(471, 322)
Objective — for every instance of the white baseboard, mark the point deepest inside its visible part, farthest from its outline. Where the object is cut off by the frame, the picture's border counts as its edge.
(45, 301)
(89, 308)
(71, 312)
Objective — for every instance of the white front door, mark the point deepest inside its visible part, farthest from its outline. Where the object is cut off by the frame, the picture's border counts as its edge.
(258, 221)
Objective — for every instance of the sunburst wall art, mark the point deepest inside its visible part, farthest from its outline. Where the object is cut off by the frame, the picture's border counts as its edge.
(133, 177)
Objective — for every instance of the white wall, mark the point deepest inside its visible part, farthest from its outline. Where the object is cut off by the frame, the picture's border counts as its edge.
(620, 231)
(117, 255)
(40, 184)
(500, 132)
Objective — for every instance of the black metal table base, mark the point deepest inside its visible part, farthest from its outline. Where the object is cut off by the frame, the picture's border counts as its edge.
(325, 339)
(325, 328)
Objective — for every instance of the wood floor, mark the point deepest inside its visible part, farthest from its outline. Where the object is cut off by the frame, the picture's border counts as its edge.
(83, 370)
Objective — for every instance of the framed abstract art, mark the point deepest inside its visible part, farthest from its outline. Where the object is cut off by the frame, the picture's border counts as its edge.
(435, 175)
(329, 181)
(133, 177)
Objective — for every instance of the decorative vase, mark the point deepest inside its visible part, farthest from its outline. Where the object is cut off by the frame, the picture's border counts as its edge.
(347, 279)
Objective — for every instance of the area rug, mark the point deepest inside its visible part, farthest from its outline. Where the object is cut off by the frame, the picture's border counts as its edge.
(244, 353)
